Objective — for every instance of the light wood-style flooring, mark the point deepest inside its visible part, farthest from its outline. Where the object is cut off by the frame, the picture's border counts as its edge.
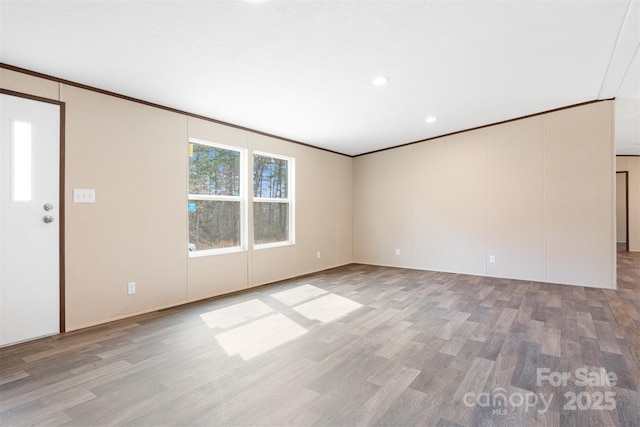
(355, 345)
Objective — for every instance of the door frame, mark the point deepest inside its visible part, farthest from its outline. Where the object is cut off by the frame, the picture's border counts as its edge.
(626, 206)
(61, 182)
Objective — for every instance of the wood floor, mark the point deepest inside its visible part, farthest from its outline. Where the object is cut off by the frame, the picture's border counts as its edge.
(409, 348)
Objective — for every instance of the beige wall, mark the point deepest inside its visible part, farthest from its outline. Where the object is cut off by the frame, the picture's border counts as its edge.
(135, 157)
(537, 193)
(631, 164)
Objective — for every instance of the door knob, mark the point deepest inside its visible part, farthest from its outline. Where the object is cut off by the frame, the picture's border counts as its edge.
(47, 219)
(47, 207)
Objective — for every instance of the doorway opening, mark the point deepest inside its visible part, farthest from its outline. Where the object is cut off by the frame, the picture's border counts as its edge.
(622, 211)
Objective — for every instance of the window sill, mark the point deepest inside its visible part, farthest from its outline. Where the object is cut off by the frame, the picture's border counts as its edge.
(213, 252)
(272, 245)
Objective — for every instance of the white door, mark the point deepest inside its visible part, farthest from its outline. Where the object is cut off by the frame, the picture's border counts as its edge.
(29, 220)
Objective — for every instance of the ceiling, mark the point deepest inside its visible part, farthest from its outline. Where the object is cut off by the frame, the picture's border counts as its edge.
(303, 69)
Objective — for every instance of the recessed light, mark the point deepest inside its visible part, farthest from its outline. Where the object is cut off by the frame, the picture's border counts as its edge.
(431, 119)
(380, 81)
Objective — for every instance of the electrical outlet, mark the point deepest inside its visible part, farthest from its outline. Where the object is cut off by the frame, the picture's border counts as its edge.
(131, 288)
(318, 254)
(492, 259)
(397, 251)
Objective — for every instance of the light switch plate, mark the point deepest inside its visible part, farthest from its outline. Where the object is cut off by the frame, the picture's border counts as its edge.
(84, 195)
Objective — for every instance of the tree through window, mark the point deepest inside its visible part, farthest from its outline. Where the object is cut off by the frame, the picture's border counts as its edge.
(272, 213)
(216, 196)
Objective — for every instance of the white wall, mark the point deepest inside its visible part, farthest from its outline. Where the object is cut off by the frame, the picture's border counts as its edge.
(536, 193)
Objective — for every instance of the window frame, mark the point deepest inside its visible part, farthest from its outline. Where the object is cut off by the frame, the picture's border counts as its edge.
(290, 200)
(241, 198)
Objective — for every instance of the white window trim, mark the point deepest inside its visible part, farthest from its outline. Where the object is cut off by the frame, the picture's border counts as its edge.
(218, 251)
(290, 200)
(242, 199)
(273, 245)
(215, 197)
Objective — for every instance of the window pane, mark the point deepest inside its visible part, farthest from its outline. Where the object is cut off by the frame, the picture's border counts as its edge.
(270, 222)
(214, 224)
(214, 171)
(21, 162)
(270, 177)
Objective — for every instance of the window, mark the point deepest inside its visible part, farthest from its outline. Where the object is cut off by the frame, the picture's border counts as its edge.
(216, 202)
(21, 162)
(272, 199)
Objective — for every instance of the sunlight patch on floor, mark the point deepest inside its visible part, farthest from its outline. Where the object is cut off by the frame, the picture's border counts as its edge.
(298, 294)
(254, 327)
(236, 314)
(259, 336)
(327, 308)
